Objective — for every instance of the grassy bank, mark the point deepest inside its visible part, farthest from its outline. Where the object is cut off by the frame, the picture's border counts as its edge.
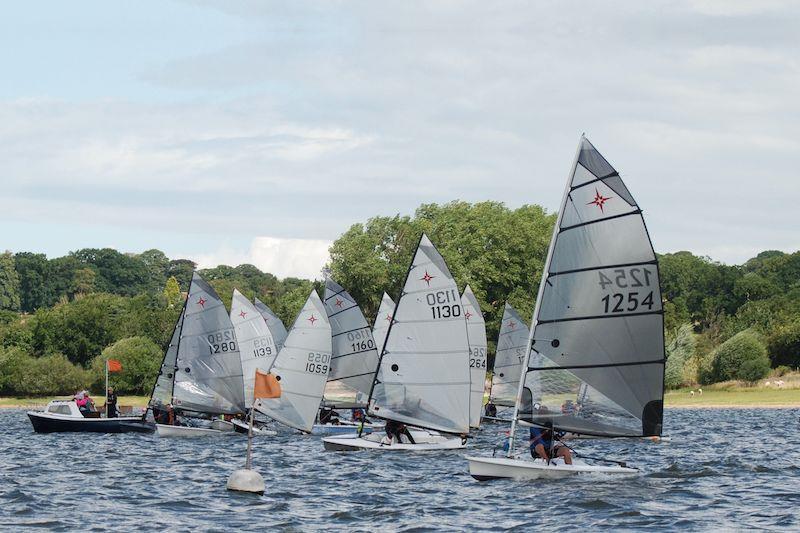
(133, 401)
(734, 397)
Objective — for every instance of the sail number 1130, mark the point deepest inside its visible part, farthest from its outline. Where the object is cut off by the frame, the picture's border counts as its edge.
(444, 304)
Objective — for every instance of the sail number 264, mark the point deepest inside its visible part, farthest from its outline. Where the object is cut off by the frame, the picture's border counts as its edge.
(626, 299)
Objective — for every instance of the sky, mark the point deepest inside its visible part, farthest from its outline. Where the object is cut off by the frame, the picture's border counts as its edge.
(232, 132)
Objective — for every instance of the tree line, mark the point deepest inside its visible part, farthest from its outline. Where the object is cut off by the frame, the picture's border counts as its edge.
(61, 317)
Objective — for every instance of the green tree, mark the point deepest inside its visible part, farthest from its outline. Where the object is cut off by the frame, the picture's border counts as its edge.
(9, 283)
(731, 355)
(499, 252)
(784, 345)
(157, 264)
(680, 350)
(117, 273)
(141, 361)
(34, 289)
(172, 292)
(84, 281)
(182, 269)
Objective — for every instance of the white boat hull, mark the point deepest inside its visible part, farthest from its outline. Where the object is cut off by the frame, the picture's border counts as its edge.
(164, 430)
(343, 429)
(486, 468)
(424, 442)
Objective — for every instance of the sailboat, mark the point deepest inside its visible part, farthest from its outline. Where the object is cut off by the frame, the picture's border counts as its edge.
(354, 360)
(274, 323)
(257, 350)
(597, 331)
(476, 335)
(302, 368)
(382, 321)
(423, 377)
(511, 343)
(201, 373)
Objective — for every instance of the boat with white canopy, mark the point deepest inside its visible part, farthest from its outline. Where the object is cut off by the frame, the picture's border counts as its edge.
(476, 335)
(201, 373)
(423, 377)
(595, 360)
(302, 368)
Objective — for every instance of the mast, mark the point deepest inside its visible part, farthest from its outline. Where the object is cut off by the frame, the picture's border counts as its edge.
(535, 318)
(178, 325)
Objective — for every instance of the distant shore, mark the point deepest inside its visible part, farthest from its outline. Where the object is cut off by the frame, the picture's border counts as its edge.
(710, 398)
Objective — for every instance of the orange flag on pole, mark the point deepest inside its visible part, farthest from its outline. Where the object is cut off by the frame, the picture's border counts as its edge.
(266, 386)
(114, 365)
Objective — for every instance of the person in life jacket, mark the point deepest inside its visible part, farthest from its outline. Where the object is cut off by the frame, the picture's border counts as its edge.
(541, 441)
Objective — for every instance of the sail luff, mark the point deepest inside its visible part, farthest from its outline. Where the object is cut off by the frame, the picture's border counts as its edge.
(257, 348)
(176, 338)
(540, 292)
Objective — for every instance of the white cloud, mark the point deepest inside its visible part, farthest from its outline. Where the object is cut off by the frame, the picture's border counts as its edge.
(301, 258)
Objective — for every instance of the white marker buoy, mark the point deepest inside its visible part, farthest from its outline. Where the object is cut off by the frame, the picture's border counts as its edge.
(246, 480)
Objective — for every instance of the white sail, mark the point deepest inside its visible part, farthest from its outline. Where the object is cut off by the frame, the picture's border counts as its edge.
(598, 333)
(382, 321)
(162, 391)
(208, 376)
(302, 368)
(275, 324)
(423, 378)
(476, 334)
(256, 345)
(508, 360)
(355, 357)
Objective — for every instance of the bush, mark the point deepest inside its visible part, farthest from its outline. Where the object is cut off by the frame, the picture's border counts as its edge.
(784, 345)
(730, 357)
(141, 361)
(23, 375)
(753, 369)
(781, 371)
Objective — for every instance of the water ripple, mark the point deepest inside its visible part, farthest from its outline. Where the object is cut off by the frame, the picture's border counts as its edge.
(740, 469)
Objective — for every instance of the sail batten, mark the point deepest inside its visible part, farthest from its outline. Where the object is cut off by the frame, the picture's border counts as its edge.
(596, 360)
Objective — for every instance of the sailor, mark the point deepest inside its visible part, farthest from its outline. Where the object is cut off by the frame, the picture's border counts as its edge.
(359, 416)
(491, 410)
(542, 446)
(328, 416)
(395, 431)
(111, 403)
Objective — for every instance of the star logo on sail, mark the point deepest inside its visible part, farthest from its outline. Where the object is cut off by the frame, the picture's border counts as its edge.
(599, 200)
(467, 315)
(427, 278)
(243, 314)
(201, 302)
(339, 302)
(512, 324)
(313, 319)
(389, 317)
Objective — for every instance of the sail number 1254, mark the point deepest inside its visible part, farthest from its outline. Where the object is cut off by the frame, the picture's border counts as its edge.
(626, 300)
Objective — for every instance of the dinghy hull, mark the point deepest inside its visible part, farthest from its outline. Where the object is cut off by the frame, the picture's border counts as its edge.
(167, 431)
(487, 468)
(48, 423)
(425, 442)
(343, 429)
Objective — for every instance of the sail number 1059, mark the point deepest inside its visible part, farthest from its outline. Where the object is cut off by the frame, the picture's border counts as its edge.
(444, 304)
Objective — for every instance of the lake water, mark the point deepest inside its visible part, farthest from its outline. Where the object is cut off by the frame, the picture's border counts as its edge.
(724, 469)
